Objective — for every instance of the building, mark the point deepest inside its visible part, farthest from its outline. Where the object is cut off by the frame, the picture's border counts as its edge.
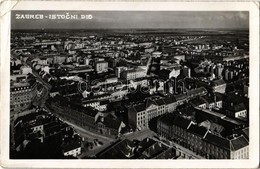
(85, 117)
(110, 125)
(139, 115)
(202, 140)
(121, 149)
(25, 70)
(71, 149)
(119, 70)
(209, 102)
(236, 106)
(218, 85)
(179, 58)
(43, 128)
(199, 103)
(156, 54)
(234, 147)
(186, 71)
(101, 66)
(133, 73)
(219, 70)
(21, 94)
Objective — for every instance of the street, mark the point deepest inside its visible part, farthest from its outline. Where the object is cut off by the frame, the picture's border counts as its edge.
(139, 135)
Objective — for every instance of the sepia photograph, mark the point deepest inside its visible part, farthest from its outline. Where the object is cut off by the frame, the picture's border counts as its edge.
(132, 84)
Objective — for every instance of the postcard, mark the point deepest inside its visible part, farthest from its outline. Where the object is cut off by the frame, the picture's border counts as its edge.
(120, 84)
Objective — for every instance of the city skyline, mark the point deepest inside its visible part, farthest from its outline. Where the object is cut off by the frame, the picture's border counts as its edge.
(137, 20)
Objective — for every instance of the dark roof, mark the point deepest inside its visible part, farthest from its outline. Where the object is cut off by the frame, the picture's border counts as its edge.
(182, 122)
(29, 117)
(246, 132)
(180, 97)
(238, 143)
(86, 110)
(217, 140)
(197, 91)
(197, 102)
(112, 122)
(169, 100)
(199, 131)
(220, 96)
(188, 111)
(165, 72)
(145, 143)
(150, 102)
(71, 146)
(218, 82)
(167, 119)
(154, 150)
(160, 102)
(237, 107)
(236, 99)
(122, 149)
(208, 99)
(139, 107)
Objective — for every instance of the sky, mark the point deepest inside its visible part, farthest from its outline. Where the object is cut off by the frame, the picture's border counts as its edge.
(135, 20)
